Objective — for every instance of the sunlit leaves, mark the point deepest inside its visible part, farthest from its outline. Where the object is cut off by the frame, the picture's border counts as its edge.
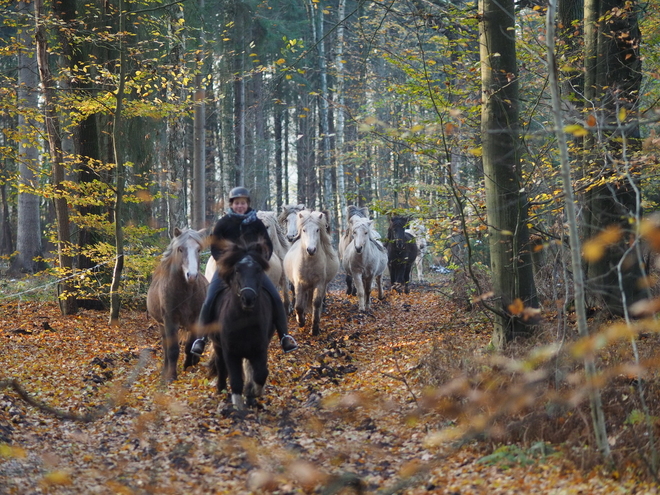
(576, 130)
(594, 249)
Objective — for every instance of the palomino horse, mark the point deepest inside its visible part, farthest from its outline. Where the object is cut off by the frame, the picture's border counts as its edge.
(310, 265)
(281, 246)
(246, 327)
(365, 259)
(401, 252)
(289, 220)
(176, 295)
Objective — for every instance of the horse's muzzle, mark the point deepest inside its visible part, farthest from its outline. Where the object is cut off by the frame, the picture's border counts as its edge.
(248, 297)
(311, 251)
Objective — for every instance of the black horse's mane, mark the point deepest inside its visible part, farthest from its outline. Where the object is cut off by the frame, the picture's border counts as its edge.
(233, 252)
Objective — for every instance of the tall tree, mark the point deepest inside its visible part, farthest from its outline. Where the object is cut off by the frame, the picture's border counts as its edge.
(120, 179)
(67, 299)
(506, 204)
(612, 83)
(28, 238)
(199, 137)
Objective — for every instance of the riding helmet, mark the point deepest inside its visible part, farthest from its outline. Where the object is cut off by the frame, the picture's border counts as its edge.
(239, 192)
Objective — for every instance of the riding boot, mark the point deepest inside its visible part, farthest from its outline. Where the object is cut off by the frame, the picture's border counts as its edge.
(287, 342)
(206, 315)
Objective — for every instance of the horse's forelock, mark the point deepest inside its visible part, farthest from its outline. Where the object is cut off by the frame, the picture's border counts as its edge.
(237, 252)
(180, 238)
(319, 219)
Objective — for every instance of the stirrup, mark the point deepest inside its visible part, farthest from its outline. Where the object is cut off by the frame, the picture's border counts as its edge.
(198, 347)
(292, 341)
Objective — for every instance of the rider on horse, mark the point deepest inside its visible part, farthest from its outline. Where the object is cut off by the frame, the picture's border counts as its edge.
(241, 224)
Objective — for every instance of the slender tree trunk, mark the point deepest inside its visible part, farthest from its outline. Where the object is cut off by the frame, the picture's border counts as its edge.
(28, 238)
(597, 414)
(506, 205)
(324, 98)
(120, 178)
(199, 140)
(67, 298)
(278, 115)
(261, 194)
(339, 111)
(239, 124)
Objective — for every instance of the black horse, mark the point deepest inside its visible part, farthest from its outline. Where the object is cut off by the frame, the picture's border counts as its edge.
(245, 318)
(401, 252)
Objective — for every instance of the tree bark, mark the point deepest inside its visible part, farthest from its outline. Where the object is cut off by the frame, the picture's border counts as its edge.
(199, 140)
(597, 413)
(506, 203)
(67, 298)
(28, 235)
(612, 84)
(120, 179)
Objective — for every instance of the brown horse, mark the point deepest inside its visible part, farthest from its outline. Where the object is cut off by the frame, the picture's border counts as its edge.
(176, 295)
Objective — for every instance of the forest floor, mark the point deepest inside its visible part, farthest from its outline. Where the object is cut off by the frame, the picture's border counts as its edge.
(346, 413)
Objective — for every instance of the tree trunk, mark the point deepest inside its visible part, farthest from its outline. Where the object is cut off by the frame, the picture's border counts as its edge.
(506, 205)
(120, 178)
(239, 124)
(612, 84)
(28, 238)
(199, 141)
(339, 111)
(261, 194)
(67, 298)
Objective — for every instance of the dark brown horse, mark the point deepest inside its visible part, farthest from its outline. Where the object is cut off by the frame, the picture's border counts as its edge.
(176, 295)
(401, 252)
(245, 323)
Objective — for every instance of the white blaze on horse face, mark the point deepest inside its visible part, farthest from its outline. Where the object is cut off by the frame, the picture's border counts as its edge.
(190, 263)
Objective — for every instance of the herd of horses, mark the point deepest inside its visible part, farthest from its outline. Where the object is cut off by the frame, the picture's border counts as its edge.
(302, 265)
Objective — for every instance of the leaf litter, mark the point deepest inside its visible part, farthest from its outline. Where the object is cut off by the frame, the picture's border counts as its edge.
(343, 414)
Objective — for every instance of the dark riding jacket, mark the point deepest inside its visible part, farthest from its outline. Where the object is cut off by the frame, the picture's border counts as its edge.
(236, 227)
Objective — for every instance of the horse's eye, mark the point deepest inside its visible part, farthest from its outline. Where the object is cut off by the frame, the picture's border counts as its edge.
(180, 249)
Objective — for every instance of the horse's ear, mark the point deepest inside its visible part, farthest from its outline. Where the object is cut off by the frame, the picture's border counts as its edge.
(204, 234)
(177, 231)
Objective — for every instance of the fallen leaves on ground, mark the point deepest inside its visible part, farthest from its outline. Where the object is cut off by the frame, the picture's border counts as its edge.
(341, 414)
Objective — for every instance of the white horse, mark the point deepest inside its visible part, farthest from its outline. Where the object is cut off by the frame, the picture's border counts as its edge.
(288, 220)
(365, 259)
(310, 265)
(352, 212)
(418, 230)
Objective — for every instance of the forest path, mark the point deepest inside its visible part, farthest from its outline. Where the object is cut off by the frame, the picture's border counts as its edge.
(342, 411)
